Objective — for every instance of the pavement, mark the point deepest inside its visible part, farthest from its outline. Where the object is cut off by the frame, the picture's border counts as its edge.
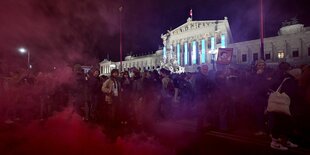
(216, 142)
(178, 136)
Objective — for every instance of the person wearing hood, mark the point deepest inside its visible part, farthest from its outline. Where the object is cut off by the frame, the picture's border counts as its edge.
(93, 91)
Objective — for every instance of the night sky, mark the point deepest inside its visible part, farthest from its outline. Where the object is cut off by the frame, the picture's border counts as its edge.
(86, 31)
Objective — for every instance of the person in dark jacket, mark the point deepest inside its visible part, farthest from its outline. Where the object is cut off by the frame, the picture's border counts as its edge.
(93, 84)
(281, 124)
(126, 85)
(204, 87)
(78, 89)
(260, 82)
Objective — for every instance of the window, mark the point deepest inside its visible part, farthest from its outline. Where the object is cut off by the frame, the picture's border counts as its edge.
(218, 39)
(223, 42)
(295, 53)
(255, 56)
(280, 54)
(244, 57)
(267, 56)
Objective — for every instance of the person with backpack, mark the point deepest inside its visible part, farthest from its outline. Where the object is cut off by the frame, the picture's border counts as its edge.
(280, 103)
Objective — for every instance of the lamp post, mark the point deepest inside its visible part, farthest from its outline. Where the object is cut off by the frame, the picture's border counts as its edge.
(24, 50)
(120, 38)
(262, 53)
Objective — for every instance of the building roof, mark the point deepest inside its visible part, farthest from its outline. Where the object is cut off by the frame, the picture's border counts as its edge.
(190, 25)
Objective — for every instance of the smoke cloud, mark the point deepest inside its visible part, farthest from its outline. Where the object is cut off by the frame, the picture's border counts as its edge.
(66, 133)
(55, 32)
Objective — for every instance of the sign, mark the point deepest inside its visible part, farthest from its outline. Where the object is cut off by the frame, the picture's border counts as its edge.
(224, 56)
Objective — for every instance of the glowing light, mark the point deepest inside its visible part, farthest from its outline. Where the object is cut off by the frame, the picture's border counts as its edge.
(281, 55)
(223, 41)
(22, 50)
(178, 54)
(194, 57)
(30, 66)
(165, 53)
(203, 51)
(185, 54)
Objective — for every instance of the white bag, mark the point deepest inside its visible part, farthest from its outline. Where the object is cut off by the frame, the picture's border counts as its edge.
(279, 102)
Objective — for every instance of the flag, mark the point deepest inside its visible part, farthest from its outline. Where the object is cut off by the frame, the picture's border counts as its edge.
(191, 13)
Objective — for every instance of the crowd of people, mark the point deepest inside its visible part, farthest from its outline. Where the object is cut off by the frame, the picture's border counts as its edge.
(225, 100)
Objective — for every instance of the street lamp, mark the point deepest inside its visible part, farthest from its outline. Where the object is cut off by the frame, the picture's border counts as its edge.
(262, 52)
(24, 50)
(120, 37)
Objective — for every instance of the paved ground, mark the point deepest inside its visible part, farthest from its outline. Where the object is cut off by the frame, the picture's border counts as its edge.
(213, 142)
(66, 134)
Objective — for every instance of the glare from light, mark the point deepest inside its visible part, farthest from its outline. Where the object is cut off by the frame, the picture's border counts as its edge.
(22, 50)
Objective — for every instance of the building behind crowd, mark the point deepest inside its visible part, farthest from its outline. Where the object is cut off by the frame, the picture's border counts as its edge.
(291, 45)
(145, 62)
(197, 42)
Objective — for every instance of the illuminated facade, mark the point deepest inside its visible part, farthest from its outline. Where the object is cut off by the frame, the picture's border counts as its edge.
(291, 45)
(145, 62)
(195, 42)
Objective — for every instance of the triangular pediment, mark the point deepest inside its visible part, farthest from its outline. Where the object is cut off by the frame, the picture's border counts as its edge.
(192, 25)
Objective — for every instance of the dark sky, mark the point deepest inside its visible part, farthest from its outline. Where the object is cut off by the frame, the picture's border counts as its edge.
(86, 31)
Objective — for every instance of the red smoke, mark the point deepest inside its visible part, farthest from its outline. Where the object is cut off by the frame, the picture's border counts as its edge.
(66, 133)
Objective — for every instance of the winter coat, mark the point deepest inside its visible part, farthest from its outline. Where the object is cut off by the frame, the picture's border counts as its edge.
(107, 88)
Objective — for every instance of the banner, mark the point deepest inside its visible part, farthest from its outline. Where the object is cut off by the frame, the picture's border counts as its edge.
(224, 56)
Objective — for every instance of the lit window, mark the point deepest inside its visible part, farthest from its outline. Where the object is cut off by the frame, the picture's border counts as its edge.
(203, 51)
(281, 55)
(165, 54)
(223, 43)
(194, 52)
(212, 43)
(185, 54)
